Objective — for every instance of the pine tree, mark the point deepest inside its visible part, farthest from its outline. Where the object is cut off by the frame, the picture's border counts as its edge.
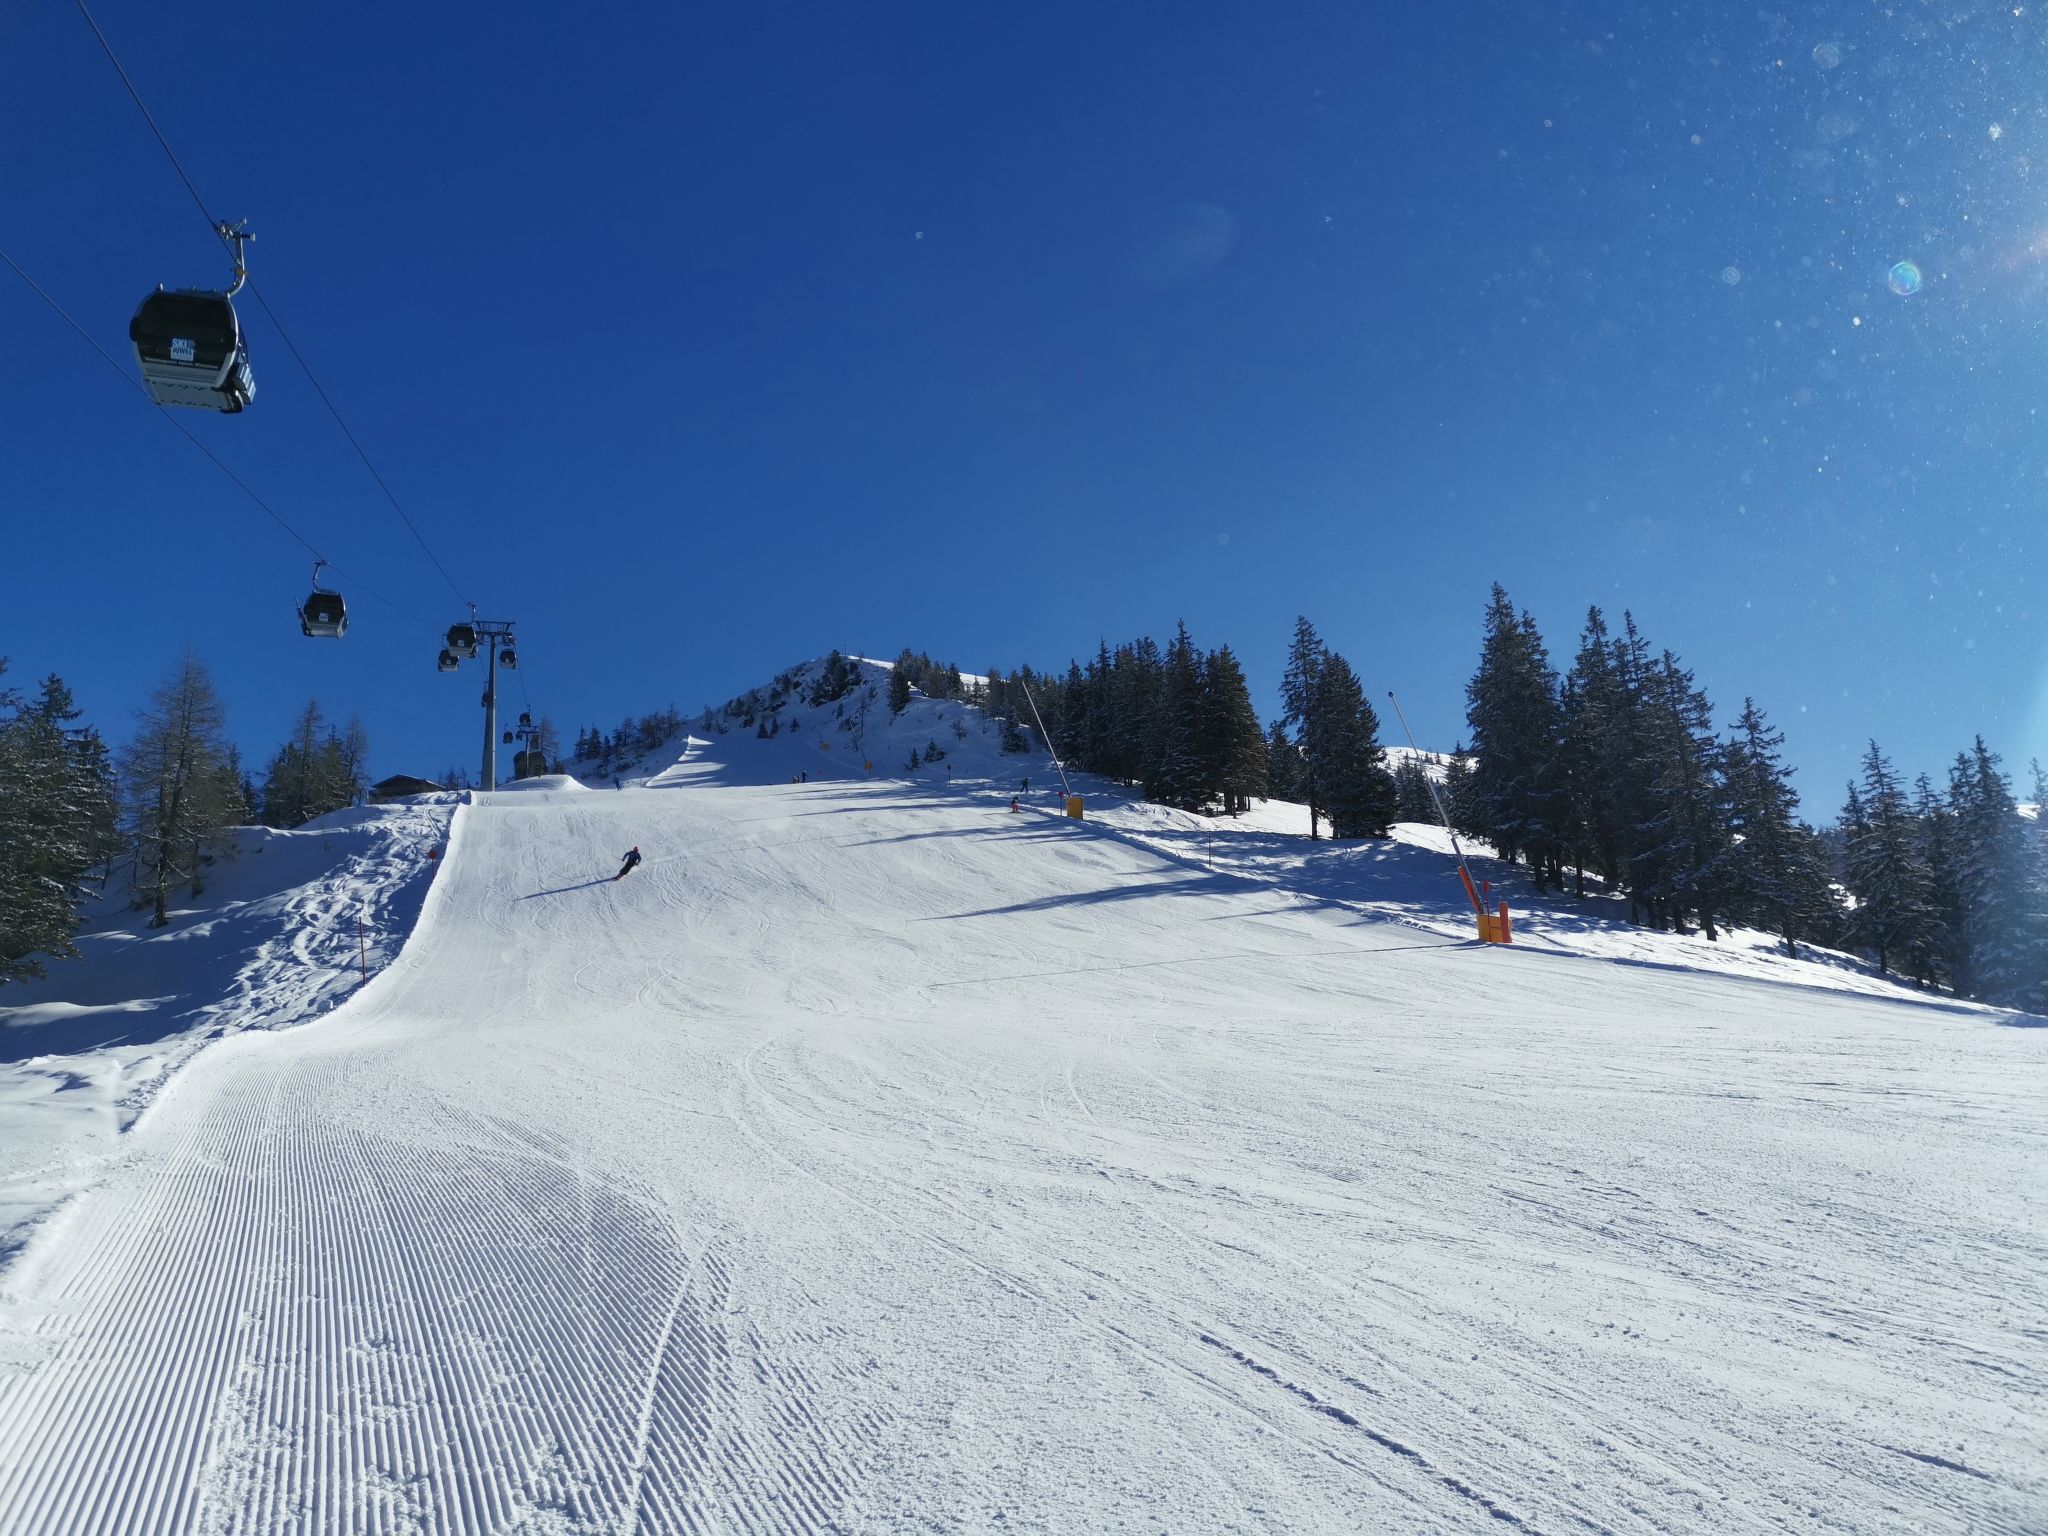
(1298, 690)
(1283, 764)
(1766, 883)
(899, 689)
(1511, 705)
(1233, 746)
(1938, 957)
(315, 771)
(1681, 827)
(1173, 747)
(1341, 746)
(1990, 836)
(1594, 714)
(177, 778)
(55, 802)
(1411, 793)
(1456, 792)
(1885, 872)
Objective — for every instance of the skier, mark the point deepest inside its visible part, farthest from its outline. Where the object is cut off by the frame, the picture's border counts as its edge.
(626, 868)
(1014, 807)
(1027, 785)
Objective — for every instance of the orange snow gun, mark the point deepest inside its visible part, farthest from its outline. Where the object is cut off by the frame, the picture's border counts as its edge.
(1494, 927)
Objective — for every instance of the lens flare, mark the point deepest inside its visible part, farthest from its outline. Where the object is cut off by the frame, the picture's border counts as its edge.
(1827, 55)
(1904, 279)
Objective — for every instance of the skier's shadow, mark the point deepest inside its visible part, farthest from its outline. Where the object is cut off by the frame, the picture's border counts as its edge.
(560, 889)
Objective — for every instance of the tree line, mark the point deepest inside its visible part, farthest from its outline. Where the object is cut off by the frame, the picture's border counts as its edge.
(1615, 772)
(74, 815)
(1179, 722)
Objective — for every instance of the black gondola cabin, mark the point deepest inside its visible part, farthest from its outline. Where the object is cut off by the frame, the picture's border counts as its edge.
(189, 347)
(324, 616)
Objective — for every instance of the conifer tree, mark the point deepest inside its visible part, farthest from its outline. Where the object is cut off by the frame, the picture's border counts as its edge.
(1411, 793)
(899, 688)
(1885, 872)
(1680, 833)
(1283, 764)
(1341, 746)
(55, 824)
(1989, 835)
(1174, 754)
(1233, 746)
(177, 779)
(1511, 705)
(316, 771)
(1937, 956)
(1456, 792)
(1766, 884)
(1298, 690)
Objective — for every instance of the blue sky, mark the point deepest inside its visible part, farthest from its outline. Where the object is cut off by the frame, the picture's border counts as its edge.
(699, 342)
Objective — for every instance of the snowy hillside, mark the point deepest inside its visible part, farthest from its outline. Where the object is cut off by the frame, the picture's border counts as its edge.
(273, 941)
(1409, 878)
(876, 1158)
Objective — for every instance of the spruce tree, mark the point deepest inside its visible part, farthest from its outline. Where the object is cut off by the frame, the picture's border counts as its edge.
(1341, 746)
(1990, 838)
(1298, 691)
(1938, 955)
(1174, 757)
(1766, 884)
(1411, 793)
(1885, 872)
(1233, 746)
(1511, 705)
(899, 689)
(1681, 829)
(1283, 764)
(55, 815)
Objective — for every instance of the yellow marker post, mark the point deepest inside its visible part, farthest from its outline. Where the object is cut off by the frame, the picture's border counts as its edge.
(1074, 807)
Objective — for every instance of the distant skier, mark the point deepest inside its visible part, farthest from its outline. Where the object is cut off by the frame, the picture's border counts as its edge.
(615, 782)
(1014, 807)
(1027, 785)
(626, 868)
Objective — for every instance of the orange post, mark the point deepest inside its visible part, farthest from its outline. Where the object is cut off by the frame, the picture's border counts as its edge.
(1504, 930)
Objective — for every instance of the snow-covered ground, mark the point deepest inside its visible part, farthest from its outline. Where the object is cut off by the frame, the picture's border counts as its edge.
(272, 941)
(877, 1159)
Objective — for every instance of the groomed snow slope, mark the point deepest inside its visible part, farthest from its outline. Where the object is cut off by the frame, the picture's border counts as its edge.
(285, 929)
(874, 1159)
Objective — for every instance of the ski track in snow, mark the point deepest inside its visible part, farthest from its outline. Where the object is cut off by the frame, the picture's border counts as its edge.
(874, 1160)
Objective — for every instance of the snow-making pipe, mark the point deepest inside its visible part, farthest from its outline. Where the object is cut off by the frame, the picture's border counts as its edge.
(1471, 889)
(1058, 767)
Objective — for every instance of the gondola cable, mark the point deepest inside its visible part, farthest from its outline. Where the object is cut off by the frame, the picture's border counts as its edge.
(216, 227)
(240, 484)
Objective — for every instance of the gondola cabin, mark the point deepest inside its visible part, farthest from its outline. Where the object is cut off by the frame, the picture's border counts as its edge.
(189, 347)
(324, 616)
(462, 641)
(448, 661)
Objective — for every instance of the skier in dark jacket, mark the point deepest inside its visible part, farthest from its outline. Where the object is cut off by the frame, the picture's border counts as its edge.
(626, 868)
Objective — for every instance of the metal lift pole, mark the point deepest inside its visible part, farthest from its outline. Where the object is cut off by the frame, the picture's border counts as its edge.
(489, 777)
(1065, 788)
